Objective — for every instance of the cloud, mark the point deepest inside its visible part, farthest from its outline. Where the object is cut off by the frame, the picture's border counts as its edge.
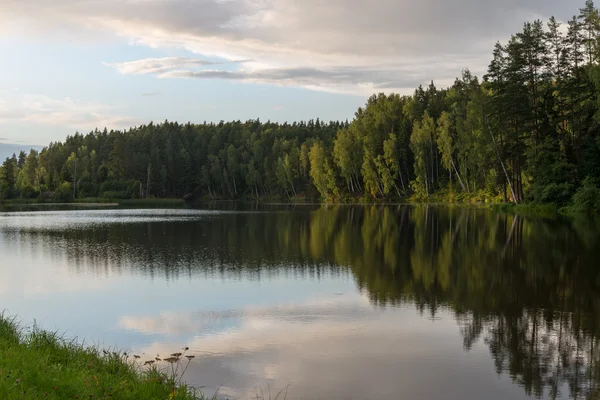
(151, 94)
(14, 141)
(303, 343)
(278, 107)
(379, 43)
(156, 65)
(344, 79)
(179, 323)
(35, 278)
(44, 110)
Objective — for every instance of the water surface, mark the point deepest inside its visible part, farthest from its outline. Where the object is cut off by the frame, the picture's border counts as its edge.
(336, 302)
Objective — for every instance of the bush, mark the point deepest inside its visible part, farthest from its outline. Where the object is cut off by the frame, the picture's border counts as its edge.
(419, 190)
(118, 189)
(8, 193)
(29, 193)
(557, 193)
(64, 192)
(85, 189)
(587, 197)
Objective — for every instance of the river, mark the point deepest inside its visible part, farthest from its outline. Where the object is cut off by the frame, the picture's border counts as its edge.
(330, 302)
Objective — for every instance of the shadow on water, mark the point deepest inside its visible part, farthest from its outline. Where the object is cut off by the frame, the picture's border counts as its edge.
(529, 288)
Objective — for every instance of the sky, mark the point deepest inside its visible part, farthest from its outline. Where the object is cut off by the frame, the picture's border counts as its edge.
(74, 65)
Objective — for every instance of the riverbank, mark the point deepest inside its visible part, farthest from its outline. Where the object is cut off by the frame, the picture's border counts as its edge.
(36, 364)
(445, 198)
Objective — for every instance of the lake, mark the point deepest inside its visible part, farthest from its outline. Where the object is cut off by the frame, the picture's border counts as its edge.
(330, 302)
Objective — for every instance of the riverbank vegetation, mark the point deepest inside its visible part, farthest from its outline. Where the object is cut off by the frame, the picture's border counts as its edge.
(41, 365)
(527, 132)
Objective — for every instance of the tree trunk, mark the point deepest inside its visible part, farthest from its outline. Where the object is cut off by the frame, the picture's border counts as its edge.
(500, 159)
(402, 180)
(459, 178)
(74, 181)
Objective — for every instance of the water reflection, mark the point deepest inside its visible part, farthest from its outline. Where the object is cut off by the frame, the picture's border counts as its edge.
(523, 292)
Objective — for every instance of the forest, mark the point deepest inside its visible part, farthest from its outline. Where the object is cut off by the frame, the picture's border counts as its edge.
(526, 132)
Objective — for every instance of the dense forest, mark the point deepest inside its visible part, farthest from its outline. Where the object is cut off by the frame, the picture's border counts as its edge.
(528, 131)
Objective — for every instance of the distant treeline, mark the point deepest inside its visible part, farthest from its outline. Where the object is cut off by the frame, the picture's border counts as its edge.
(529, 131)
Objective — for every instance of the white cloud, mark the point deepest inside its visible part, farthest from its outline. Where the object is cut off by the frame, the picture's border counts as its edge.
(344, 79)
(156, 65)
(67, 112)
(382, 44)
(319, 346)
(178, 323)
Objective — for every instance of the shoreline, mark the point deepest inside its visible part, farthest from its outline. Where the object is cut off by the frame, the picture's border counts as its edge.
(526, 209)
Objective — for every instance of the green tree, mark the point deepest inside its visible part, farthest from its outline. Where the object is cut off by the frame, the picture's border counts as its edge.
(420, 143)
(73, 165)
(321, 171)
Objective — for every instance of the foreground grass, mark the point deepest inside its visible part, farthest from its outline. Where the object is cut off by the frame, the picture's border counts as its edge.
(40, 365)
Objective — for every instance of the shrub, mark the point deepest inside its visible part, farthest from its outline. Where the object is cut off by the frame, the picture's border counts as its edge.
(29, 193)
(119, 189)
(64, 192)
(587, 197)
(8, 192)
(557, 193)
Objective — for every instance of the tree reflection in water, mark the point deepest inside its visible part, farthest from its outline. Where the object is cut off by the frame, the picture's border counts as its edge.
(529, 287)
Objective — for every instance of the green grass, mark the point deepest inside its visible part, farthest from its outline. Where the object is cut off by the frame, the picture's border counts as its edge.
(36, 364)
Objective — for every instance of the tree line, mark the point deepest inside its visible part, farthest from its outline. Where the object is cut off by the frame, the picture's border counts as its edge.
(527, 131)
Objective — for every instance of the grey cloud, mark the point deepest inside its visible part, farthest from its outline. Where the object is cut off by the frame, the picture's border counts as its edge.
(381, 27)
(9, 114)
(150, 94)
(192, 16)
(297, 35)
(340, 78)
(300, 77)
(158, 66)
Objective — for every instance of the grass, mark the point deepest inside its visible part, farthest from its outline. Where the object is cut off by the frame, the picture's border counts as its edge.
(36, 364)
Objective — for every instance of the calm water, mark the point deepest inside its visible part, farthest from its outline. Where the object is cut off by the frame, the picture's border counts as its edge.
(386, 302)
